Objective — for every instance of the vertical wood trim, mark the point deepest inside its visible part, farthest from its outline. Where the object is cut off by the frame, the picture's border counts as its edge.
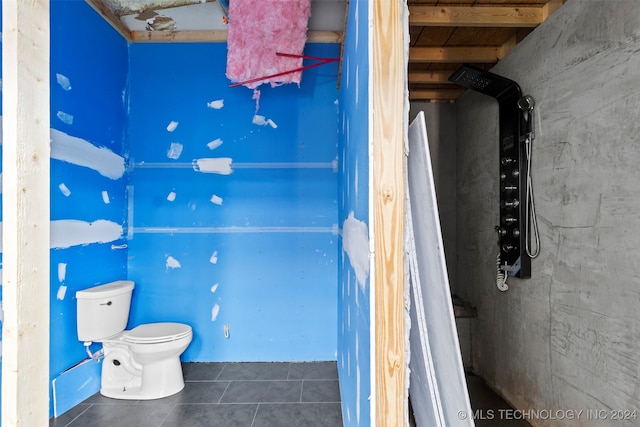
(25, 209)
(388, 93)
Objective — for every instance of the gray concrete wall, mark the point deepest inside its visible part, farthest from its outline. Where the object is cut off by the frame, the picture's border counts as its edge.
(441, 131)
(569, 337)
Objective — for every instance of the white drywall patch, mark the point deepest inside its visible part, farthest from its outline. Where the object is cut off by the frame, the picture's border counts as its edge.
(263, 121)
(72, 232)
(105, 197)
(175, 150)
(216, 105)
(172, 262)
(62, 271)
(64, 190)
(214, 288)
(65, 118)
(220, 165)
(355, 241)
(62, 291)
(171, 196)
(172, 126)
(214, 144)
(216, 200)
(79, 152)
(63, 81)
(214, 257)
(214, 312)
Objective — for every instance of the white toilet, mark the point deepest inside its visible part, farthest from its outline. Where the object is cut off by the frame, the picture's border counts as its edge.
(140, 364)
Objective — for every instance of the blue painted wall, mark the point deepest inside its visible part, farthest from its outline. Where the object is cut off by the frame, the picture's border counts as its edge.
(354, 298)
(86, 50)
(263, 260)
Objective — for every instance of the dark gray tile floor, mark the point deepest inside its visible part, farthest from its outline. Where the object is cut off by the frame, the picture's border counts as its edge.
(490, 409)
(226, 394)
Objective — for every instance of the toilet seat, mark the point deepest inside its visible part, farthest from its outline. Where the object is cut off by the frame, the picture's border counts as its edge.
(154, 333)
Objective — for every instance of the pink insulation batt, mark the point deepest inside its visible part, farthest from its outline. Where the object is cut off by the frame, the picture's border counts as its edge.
(259, 29)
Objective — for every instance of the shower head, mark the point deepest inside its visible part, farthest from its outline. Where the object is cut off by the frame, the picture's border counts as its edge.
(526, 103)
(485, 82)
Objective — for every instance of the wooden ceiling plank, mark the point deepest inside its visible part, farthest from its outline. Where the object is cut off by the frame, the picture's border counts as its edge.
(550, 8)
(455, 54)
(472, 16)
(430, 77)
(508, 46)
(435, 94)
(106, 13)
(218, 36)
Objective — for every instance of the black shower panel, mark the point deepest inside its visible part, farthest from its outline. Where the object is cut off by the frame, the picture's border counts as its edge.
(514, 129)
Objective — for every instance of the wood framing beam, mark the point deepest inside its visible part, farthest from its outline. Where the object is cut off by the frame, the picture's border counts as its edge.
(508, 46)
(456, 54)
(476, 16)
(104, 11)
(388, 65)
(435, 94)
(25, 212)
(551, 7)
(201, 36)
(179, 36)
(439, 77)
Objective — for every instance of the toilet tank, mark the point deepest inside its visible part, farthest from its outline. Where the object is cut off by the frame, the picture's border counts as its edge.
(103, 310)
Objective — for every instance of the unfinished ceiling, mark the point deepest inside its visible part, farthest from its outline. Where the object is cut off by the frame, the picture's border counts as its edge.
(444, 33)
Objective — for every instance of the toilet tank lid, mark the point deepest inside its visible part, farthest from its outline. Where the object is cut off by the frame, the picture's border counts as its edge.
(106, 290)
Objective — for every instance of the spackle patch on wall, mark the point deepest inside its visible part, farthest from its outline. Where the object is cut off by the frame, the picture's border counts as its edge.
(64, 190)
(175, 150)
(355, 241)
(214, 144)
(62, 291)
(62, 271)
(63, 81)
(216, 105)
(216, 200)
(65, 118)
(214, 257)
(263, 121)
(171, 196)
(105, 197)
(214, 312)
(79, 152)
(66, 233)
(219, 165)
(172, 263)
(172, 126)
(214, 288)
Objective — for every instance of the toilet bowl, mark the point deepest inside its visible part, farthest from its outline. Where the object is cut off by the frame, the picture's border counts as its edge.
(139, 364)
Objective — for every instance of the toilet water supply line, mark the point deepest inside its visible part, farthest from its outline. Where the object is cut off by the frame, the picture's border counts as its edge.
(97, 356)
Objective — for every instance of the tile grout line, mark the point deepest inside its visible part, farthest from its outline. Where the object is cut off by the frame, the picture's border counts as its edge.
(221, 370)
(255, 415)
(225, 390)
(167, 416)
(78, 416)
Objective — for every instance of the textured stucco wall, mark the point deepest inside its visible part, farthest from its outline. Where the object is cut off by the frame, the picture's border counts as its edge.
(569, 337)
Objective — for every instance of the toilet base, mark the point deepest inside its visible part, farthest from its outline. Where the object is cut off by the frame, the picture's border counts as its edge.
(131, 375)
(134, 393)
